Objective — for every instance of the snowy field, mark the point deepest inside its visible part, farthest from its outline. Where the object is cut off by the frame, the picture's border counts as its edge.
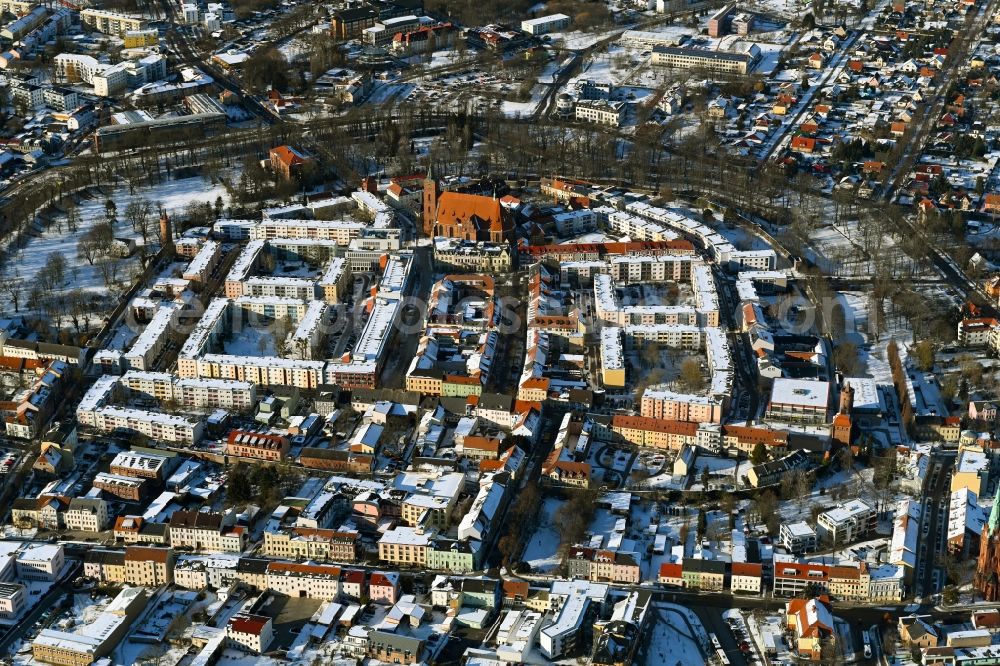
(676, 636)
(542, 550)
(173, 196)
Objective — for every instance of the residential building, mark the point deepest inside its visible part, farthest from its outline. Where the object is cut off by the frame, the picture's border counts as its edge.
(87, 515)
(404, 545)
(721, 62)
(918, 631)
(149, 566)
(250, 633)
(746, 578)
(703, 574)
(798, 537)
(811, 622)
(303, 543)
(846, 523)
(194, 530)
(600, 111)
(604, 565)
(769, 473)
(110, 23)
(545, 24)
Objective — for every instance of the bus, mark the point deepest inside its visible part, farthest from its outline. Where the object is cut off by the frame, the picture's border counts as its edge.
(719, 652)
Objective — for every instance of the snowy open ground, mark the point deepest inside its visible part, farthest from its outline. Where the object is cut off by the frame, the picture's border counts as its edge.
(675, 636)
(173, 195)
(542, 550)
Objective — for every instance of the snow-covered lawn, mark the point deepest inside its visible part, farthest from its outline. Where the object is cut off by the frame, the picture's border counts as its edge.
(676, 637)
(523, 109)
(542, 550)
(251, 341)
(173, 195)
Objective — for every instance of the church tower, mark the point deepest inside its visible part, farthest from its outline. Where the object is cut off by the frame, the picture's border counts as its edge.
(988, 566)
(432, 192)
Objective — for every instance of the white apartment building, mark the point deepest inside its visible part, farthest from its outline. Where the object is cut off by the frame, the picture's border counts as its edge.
(847, 522)
(545, 24)
(155, 425)
(382, 32)
(339, 231)
(313, 581)
(679, 57)
(12, 600)
(272, 307)
(220, 393)
(204, 262)
(263, 370)
(797, 537)
(282, 287)
(560, 637)
(191, 392)
(40, 561)
(250, 633)
(109, 80)
(87, 514)
(151, 342)
(600, 111)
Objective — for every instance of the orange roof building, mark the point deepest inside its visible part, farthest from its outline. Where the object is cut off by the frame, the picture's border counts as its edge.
(470, 217)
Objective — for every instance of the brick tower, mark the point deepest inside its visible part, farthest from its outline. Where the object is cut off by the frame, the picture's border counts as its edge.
(432, 191)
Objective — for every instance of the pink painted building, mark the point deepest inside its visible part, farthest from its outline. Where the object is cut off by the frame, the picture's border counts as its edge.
(383, 587)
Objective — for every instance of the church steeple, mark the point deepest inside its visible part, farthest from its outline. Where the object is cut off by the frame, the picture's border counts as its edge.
(432, 191)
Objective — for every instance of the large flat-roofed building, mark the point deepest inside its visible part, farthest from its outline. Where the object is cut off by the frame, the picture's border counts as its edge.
(800, 400)
(139, 465)
(612, 357)
(155, 425)
(847, 522)
(124, 487)
(12, 600)
(130, 135)
(681, 407)
(110, 23)
(90, 642)
(600, 111)
(798, 537)
(725, 62)
(40, 561)
(545, 24)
